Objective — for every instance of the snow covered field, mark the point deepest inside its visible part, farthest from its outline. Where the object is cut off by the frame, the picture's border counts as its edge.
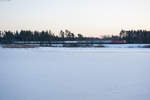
(126, 45)
(75, 74)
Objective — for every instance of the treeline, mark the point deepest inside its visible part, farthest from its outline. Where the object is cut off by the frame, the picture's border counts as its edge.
(136, 36)
(27, 35)
(131, 36)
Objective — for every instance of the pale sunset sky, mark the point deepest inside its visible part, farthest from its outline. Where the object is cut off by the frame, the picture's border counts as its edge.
(88, 17)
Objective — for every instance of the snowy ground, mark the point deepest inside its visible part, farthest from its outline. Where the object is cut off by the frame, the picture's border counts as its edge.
(75, 74)
(126, 45)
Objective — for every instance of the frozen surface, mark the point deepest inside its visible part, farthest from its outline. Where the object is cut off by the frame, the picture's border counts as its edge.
(125, 45)
(75, 74)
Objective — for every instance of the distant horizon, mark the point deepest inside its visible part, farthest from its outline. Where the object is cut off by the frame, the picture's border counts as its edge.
(88, 17)
(86, 35)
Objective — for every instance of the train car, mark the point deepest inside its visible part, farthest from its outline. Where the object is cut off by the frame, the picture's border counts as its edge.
(118, 42)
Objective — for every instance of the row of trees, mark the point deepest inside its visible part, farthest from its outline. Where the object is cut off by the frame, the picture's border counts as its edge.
(27, 35)
(135, 36)
(131, 36)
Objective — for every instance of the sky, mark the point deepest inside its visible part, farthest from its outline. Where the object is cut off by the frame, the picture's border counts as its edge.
(88, 17)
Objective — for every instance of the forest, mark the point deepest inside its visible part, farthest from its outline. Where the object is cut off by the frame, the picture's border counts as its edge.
(136, 36)
(130, 36)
